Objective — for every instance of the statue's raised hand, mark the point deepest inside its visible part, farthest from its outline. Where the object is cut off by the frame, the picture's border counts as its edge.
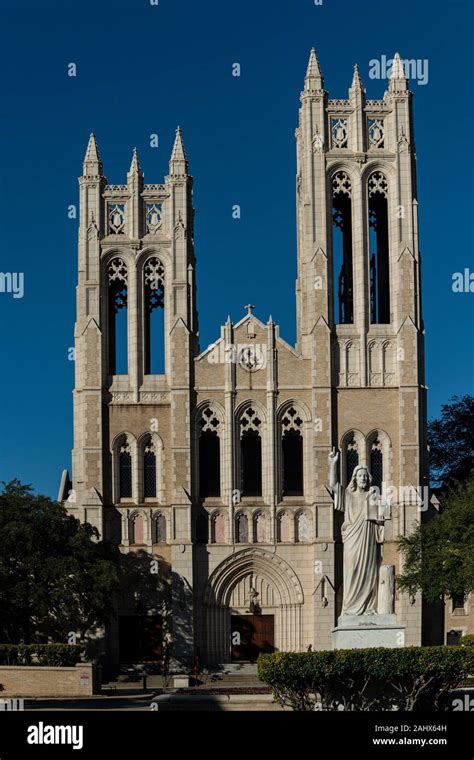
(333, 456)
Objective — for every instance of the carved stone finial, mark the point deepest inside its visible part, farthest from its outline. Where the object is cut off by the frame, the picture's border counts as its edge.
(92, 163)
(179, 158)
(314, 78)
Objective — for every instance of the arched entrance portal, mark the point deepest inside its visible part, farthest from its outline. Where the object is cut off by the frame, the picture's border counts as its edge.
(256, 595)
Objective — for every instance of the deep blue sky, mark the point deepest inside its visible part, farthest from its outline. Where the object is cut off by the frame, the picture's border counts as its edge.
(144, 69)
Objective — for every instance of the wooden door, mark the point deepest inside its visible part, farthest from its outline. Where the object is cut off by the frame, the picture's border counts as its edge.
(251, 636)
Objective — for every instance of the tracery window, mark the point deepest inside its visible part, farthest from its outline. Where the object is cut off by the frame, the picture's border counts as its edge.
(352, 457)
(209, 454)
(292, 453)
(379, 249)
(342, 247)
(251, 453)
(154, 293)
(376, 132)
(339, 133)
(376, 463)
(149, 470)
(125, 470)
(117, 278)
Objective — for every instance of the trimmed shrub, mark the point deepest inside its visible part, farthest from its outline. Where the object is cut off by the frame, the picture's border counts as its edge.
(467, 640)
(412, 678)
(54, 655)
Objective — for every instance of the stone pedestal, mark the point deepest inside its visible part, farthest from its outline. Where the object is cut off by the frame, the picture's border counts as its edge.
(365, 631)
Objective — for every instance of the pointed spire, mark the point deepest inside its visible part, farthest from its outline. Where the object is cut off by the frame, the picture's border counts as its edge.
(92, 163)
(314, 78)
(135, 167)
(179, 159)
(356, 81)
(356, 90)
(398, 78)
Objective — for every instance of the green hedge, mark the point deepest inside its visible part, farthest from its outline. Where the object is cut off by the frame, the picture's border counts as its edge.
(412, 678)
(467, 640)
(54, 655)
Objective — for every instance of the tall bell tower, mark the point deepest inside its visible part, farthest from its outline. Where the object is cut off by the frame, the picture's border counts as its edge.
(136, 297)
(358, 285)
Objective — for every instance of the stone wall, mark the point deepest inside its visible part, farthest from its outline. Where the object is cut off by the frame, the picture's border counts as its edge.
(37, 681)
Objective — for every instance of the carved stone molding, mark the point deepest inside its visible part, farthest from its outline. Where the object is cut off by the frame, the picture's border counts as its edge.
(155, 397)
(121, 397)
(179, 231)
(92, 230)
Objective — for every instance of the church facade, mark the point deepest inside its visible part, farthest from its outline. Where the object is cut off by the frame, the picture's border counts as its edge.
(216, 463)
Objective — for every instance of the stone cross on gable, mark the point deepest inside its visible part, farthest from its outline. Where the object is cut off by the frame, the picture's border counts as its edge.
(250, 307)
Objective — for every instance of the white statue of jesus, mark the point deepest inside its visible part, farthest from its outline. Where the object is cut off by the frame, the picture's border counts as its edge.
(362, 536)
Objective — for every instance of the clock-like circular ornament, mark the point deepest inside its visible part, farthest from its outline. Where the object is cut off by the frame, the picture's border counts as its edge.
(251, 358)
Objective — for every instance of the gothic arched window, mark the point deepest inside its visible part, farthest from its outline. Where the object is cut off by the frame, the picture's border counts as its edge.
(342, 248)
(149, 471)
(125, 471)
(209, 455)
(242, 529)
(388, 358)
(379, 249)
(352, 457)
(376, 463)
(259, 528)
(284, 528)
(292, 453)
(218, 529)
(250, 453)
(136, 529)
(302, 527)
(375, 363)
(153, 285)
(117, 307)
(159, 529)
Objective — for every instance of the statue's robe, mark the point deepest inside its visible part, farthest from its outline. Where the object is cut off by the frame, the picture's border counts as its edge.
(362, 537)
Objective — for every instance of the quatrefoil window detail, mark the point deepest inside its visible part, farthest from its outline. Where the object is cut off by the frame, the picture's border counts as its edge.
(352, 456)
(339, 133)
(153, 217)
(378, 184)
(341, 183)
(291, 420)
(154, 277)
(116, 218)
(208, 421)
(117, 275)
(250, 421)
(117, 270)
(376, 133)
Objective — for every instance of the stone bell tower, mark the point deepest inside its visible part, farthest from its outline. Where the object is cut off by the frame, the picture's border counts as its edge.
(358, 289)
(131, 459)
(216, 462)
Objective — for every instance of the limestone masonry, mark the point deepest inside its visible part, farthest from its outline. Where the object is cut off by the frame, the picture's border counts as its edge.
(219, 464)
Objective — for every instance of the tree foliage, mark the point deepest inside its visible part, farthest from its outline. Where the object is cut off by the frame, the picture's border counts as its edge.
(439, 555)
(55, 575)
(451, 441)
(52, 655)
